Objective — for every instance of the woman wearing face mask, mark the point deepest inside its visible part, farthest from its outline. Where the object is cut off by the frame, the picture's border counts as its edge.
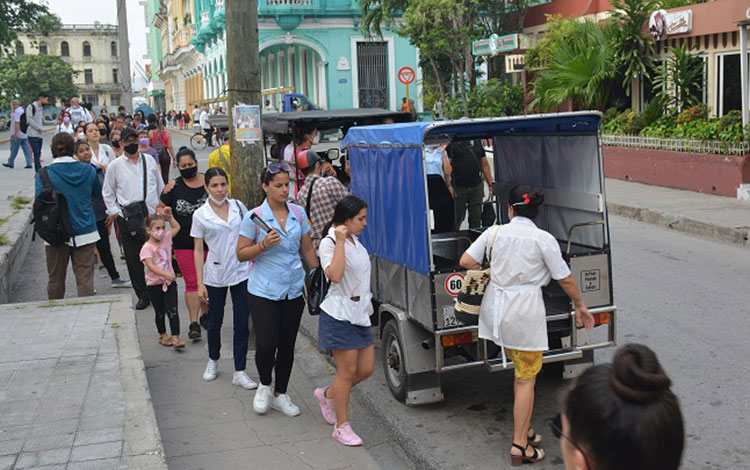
(83, 154)
(184, 195)
(145, 147)
(161, 141)
(103, 126)
(64, 125)
(114, 138)
(217, 224)
(101, 154)
(275, 285)
(139, 123)
(80, 133)
(306, 139)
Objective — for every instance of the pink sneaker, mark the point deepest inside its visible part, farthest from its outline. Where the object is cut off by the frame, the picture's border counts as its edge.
(326, 405)
(346, 436)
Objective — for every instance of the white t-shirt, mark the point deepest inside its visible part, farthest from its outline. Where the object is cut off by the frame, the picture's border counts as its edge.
(14, 118)
(204, 121)
(355, 282)
(196, 114)
(105, 155)
(69, 129)
(523, 259)
(222, 268)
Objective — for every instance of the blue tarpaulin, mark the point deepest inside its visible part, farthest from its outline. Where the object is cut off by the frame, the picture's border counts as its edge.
(145, 109)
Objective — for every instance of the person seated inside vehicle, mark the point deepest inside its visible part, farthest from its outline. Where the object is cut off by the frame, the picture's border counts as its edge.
(440, 188)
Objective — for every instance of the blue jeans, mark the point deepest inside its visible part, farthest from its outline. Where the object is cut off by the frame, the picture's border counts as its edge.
(14, 145)
(217, 297)
(36, 148)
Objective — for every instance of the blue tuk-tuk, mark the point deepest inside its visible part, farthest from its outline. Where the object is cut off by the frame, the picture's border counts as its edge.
(415, 243)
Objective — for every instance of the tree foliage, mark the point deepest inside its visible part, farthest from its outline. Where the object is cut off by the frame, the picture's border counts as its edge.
(491, 98)
(18, 15)
(25, 76)
(633, 50)
(680, 81)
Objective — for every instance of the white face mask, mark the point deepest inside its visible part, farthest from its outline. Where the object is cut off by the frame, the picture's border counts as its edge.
(316, 139)
(218, 202)
(81, 136)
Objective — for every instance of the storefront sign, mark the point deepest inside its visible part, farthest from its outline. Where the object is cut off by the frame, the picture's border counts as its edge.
(515, 62)
(494, 45)
(663, 24)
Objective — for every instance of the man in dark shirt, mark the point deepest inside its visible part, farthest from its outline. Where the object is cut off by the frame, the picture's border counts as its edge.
(470, 165)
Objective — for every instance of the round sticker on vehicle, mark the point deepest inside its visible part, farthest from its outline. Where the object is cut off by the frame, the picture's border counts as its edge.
(453, 284)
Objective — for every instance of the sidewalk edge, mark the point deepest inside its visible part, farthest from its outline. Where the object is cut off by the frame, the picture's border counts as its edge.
(143, 444)
(733, 235)
(20, 232)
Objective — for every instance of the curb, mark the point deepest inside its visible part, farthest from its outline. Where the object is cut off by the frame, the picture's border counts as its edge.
(734, 235)
(46, 129)
(13, 255)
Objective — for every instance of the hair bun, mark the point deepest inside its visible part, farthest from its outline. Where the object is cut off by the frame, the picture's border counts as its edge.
(637, 375)
(537, 197)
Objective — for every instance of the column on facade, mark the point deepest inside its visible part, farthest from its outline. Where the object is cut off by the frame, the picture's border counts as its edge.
(315, 81)
(322, 84)
(744, 74)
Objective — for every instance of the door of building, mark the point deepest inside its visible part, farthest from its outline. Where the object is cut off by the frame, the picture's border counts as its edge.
(372, 74)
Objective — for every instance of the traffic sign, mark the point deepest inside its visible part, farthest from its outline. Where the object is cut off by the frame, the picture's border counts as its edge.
(406, 75)
(453, 284)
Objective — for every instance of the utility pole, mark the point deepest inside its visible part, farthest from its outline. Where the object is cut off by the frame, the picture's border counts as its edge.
(126, 99)
(243, 87)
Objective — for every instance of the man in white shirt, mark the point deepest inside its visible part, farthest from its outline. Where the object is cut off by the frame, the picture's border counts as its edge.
(123, 185)
(17, 138)
(78, 113)
(207, 126)
(196, 116)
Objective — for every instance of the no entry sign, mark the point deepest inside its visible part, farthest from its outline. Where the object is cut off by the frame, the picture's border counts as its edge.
(406, 75)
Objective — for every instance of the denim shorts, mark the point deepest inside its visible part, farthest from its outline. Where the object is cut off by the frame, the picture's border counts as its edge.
(337, 334)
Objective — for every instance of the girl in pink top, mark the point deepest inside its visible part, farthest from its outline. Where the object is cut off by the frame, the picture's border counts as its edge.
(156, 254)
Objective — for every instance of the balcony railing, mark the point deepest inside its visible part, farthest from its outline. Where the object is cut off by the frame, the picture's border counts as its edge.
(290, 3)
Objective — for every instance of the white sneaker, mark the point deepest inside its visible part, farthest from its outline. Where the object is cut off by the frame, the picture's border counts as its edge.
(240, 378)
(284, 404)
(210, 372)
(262, 400)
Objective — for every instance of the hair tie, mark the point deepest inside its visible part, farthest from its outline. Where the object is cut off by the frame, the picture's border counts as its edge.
(526, 199)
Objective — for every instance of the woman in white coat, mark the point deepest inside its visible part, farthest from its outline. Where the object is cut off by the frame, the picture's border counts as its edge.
(523, 259)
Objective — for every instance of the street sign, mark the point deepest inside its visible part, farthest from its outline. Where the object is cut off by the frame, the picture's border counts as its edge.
(494, 45)
(453, 284)
(406, 75)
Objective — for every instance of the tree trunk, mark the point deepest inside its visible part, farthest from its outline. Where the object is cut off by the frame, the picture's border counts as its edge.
(441, 90)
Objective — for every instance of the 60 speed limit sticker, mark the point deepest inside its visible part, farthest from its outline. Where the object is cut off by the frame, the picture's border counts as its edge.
(453, 284)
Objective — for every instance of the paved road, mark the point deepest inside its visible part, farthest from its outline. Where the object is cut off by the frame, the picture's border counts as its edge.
(685, 297)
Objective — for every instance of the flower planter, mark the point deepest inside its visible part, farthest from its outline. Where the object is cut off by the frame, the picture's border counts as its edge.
(706, 173)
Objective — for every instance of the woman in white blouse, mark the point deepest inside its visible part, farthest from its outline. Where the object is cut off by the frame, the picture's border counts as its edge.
(523, 259)
(63, 123)
(101, 154)
(344, 325)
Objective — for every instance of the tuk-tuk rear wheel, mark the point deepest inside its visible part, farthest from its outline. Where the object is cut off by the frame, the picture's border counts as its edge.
(393, 361)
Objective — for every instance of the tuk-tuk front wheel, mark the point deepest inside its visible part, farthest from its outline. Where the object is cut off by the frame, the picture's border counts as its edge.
(393, 360)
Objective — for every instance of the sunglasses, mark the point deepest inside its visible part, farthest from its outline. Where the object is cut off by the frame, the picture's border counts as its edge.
(274, 168)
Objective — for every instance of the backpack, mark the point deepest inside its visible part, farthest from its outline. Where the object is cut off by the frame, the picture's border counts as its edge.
(160, 146)
(23, 123)
(50, 214)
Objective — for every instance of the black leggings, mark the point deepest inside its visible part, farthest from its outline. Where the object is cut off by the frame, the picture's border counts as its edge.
(276, 323)
(105, 252)
(165, 303)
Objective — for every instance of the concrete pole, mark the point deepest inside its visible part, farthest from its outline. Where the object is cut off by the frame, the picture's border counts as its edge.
(126, 99)
(743, 75)
(243, 76)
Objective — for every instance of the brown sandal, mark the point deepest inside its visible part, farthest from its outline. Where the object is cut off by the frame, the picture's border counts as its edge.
(517, 460)
(176, 342)
(163, 339)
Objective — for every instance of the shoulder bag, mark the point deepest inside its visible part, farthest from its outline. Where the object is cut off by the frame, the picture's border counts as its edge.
(475, 283)
(316, 288)
(135, 213)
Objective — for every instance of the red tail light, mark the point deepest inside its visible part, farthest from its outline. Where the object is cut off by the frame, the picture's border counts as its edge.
(601, 318)
(458, 338)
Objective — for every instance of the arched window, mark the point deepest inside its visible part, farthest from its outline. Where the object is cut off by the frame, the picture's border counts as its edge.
(86, 49)
(113, 48)
(19, 48)
(65, 49)
(43, 48)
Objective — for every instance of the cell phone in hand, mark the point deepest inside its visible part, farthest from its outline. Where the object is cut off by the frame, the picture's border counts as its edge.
(260, 223)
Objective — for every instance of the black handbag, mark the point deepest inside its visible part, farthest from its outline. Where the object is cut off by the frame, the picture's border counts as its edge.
(135, 213)
(489, 216)
(316, 288)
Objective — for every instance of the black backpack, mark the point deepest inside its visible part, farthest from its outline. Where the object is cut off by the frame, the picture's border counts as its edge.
(50, 211)
(23, 123)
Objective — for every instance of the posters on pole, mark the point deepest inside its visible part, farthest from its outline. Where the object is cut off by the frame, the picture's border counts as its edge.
(247, 123)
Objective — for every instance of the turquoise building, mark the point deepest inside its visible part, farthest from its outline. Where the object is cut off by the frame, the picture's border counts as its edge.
(317, 47)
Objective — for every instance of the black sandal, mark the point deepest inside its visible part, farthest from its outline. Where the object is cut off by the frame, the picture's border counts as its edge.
(517, 460)
(535, 440)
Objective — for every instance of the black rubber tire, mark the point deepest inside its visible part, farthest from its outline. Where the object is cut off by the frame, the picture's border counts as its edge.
(394, 368)
(198, 142)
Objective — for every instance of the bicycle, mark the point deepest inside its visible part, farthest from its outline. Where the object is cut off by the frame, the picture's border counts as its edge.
(198, 141)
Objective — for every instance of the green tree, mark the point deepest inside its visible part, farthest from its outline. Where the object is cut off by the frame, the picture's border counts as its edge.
(377, 12)
(501, 17)
(578, 67)
(680, 81)
(25, 76)
(633, 50)
(16, 15)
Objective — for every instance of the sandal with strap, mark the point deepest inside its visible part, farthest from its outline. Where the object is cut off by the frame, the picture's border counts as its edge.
(535, 440)
(517, 460)
(163, 339)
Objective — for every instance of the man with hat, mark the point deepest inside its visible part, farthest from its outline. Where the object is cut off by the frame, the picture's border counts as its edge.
(320, 193)
(123, 187)
(17, 138)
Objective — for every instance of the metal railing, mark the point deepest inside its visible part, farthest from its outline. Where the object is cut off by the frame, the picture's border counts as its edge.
(290, 3)
(678, 145)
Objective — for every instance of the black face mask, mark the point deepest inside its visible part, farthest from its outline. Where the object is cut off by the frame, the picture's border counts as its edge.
(116, 144)
(102, 131)
(188, 173)
(132, 149)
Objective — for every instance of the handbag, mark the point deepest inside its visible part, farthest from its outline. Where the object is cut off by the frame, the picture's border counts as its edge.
(469, 299)
(135, 213)
(316, 289)
(488, 213)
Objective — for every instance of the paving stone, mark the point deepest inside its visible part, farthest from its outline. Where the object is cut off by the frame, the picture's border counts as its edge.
(48, 428)
(57, 441)
(8, 433)
(7, 462)
(96, 451)
(46, 457)
(102, 464)
(209, 438)
(97, 436)
(11, 447)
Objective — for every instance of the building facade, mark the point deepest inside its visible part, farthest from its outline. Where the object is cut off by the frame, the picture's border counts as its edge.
(92, 51)
(155, 89)
(315, 47)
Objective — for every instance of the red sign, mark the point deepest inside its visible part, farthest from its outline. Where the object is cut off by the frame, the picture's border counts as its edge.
(406, 75)
(453, 284)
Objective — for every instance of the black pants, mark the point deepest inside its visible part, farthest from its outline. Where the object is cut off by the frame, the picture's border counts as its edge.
(276, 323)
(132, 247)
(209, 133)
(165, 304)
(105, 252)
(217, 298)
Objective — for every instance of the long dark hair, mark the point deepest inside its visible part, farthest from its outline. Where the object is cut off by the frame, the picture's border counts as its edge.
(212, 172)
(346, 209)
(624, 414)
(526, 200)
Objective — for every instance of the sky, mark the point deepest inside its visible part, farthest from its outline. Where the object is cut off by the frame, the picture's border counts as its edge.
(105, 11)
